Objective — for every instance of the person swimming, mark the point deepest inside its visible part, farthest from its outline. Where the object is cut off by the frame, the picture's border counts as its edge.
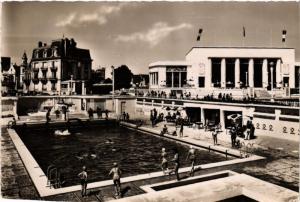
(109, 141)
(62, 132)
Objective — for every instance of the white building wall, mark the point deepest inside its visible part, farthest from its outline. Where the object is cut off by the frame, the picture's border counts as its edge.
(198, 56)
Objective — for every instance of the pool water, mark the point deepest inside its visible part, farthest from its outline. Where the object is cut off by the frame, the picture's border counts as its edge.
(98, 147)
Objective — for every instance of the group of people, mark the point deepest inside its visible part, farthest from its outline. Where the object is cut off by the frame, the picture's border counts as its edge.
(98, 111)
(116, 177)
(125, 116)
(164, 164)
(174, 133)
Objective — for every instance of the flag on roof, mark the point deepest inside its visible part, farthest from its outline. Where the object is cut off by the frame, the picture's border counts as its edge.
(283, 35)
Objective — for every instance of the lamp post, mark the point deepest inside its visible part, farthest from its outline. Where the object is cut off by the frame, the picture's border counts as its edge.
(272, 79)
(113, 86)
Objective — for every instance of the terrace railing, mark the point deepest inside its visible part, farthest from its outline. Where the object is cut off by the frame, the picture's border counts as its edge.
(281, 102)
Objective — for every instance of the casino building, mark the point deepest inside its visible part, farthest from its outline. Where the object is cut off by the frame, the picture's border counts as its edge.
(260, 72)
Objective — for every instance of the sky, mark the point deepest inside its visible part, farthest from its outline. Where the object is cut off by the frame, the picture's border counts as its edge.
(139, 33)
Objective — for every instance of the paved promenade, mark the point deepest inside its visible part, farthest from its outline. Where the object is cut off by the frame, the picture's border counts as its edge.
(282, 167)
(15, 181)
(282, 164)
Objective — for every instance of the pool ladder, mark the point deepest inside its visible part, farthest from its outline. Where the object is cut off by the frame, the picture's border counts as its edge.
(53, 177)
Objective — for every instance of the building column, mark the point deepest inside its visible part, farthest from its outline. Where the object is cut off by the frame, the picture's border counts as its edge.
(83, 88)
(222, 119)
(208, 74)
(223, 73)
(251, 73)
(172, 79)
(202, 117)
(179, 79)
(278, 74)
(237, 72)
(265, 73)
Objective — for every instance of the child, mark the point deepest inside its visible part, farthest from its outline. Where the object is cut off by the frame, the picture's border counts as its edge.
(83, 181)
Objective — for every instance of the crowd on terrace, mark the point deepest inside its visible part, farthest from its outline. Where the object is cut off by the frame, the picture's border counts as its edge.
(225, 97)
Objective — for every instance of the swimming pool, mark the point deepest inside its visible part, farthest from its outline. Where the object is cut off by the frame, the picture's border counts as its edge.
(99, 146)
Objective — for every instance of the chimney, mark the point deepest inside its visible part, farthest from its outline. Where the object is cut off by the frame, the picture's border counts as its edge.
(40, 44)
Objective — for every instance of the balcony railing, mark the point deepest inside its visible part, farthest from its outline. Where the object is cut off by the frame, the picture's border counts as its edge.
(27, 81)
(35, 80)
(53, 68)
(53, 79)
(44, 68)
(44, 80)
(179, 100)
(8, 83)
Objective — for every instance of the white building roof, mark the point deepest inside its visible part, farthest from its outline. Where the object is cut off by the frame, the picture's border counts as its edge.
(170, 63)
(239, 47)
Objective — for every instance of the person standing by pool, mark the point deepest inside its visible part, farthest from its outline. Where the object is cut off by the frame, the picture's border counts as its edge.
(48, 116)
(181, 129)
(215, 135)
(83, 181)
(192, 157)
(233, 136)
(164, 163)
(116, 178)
(176, 164)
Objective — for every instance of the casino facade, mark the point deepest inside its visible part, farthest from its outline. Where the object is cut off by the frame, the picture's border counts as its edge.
(240, 70)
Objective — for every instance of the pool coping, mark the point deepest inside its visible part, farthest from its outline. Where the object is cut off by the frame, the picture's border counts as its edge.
(220, 189)
(149, 187)
(40, 179)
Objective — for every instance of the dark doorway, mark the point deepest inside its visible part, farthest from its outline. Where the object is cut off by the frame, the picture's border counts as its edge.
(230, 67)
(286, 81)
(258, 73)
(193, 113)
(212, 116)
(216, 72)
(244, 63)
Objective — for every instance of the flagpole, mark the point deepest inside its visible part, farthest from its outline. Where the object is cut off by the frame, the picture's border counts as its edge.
(244, 36)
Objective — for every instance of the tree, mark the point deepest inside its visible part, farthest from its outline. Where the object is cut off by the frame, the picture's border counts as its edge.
(123, 77)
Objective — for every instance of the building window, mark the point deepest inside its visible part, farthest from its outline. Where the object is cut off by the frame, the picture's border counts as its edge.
(216, 72)
(44, 74)
(53, 74)
(35, 75)
(201, 81)
(154, 78)
(169, 79)
(176, 76)
(53, 86)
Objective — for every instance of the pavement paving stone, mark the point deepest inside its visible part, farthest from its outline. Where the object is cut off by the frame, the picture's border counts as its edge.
(23, 180)
(62, 197)
(28, 192)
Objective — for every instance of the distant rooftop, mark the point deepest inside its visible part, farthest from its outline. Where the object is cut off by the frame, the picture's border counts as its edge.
(170, 63)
